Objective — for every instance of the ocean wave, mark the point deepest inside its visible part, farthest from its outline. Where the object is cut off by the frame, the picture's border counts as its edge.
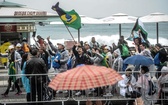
(107, 40)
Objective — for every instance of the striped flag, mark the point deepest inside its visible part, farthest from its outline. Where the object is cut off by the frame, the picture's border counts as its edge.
(140, 26)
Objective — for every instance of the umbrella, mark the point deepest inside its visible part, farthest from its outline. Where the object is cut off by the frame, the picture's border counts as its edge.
(85, 77)
(119, 18)
(155, 17)
(84, 20)
(89, 20)
(139, 60)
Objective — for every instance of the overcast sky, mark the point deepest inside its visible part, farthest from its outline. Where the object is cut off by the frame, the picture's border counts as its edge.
(101, 8)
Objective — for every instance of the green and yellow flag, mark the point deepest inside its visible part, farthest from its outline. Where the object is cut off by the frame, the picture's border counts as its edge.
(69, 18)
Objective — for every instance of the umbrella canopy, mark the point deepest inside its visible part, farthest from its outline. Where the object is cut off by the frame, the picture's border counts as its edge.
(155, 17)
(84, 20)
(139, 60)
(89, 20)
(119, 18)
(85, 77)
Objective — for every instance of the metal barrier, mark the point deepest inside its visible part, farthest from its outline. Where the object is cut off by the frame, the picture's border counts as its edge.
(12, 97)
(62, 97)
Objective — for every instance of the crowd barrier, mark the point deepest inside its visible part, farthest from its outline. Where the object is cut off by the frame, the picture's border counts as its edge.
(89, 94)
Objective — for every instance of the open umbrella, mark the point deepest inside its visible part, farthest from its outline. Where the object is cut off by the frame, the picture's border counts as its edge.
(89, 20)
(139, 60)
(119, 18)
(85, 77)
(155, 17)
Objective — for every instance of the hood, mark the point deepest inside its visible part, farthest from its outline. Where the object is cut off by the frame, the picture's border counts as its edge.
(117, 51)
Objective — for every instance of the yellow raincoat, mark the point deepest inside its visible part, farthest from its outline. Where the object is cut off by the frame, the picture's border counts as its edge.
(3, 49)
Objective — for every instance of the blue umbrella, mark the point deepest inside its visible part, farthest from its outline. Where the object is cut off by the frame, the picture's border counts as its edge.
(139, 60)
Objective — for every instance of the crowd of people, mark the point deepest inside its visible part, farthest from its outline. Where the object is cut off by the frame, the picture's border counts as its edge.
(44, 55)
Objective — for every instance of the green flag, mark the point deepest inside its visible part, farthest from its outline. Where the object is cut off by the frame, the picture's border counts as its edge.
(139, 25)
(69, 18)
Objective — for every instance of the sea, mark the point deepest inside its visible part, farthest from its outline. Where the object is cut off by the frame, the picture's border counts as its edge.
(104, 33)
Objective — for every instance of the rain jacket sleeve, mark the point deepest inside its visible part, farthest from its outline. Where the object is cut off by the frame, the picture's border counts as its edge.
(53, 47)
(97, 59)
(64, 57)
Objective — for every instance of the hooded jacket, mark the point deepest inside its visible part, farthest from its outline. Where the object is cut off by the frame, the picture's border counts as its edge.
(118, 61)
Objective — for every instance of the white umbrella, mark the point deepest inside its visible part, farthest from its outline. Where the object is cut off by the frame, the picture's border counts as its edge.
(84, 20)
(89, 20)
(155, 17)
(119, 18)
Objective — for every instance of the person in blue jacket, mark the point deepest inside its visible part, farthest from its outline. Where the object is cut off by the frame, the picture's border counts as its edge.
(25, 80)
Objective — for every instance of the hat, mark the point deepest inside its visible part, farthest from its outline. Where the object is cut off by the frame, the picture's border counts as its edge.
(107, 47)
(61, 44)
(24, 39)
(11, 47)
(164, 69)
(131, 67)
(18, 45)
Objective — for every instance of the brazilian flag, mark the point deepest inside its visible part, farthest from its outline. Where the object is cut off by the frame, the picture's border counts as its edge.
(69, 18)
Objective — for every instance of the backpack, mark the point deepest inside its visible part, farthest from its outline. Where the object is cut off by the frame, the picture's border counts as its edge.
(152, 88)
(125, 50)
(56, 65)
(25, 48)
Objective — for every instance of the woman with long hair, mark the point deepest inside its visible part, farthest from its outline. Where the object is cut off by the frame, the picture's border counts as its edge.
(25, 80)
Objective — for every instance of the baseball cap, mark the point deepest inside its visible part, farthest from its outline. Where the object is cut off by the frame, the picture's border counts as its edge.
(11, 47)
(61, 44)
(18, 45)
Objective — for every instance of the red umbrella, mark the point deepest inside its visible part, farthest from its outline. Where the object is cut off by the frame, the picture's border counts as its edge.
(85, 77)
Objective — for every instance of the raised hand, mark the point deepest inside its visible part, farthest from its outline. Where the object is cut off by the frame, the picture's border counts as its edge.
(48, 38)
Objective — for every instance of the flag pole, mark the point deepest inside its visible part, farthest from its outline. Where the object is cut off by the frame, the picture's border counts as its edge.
(70, 32)
(78, 35)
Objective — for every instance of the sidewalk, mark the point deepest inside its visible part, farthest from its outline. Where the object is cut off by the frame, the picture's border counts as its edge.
(3, 77)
